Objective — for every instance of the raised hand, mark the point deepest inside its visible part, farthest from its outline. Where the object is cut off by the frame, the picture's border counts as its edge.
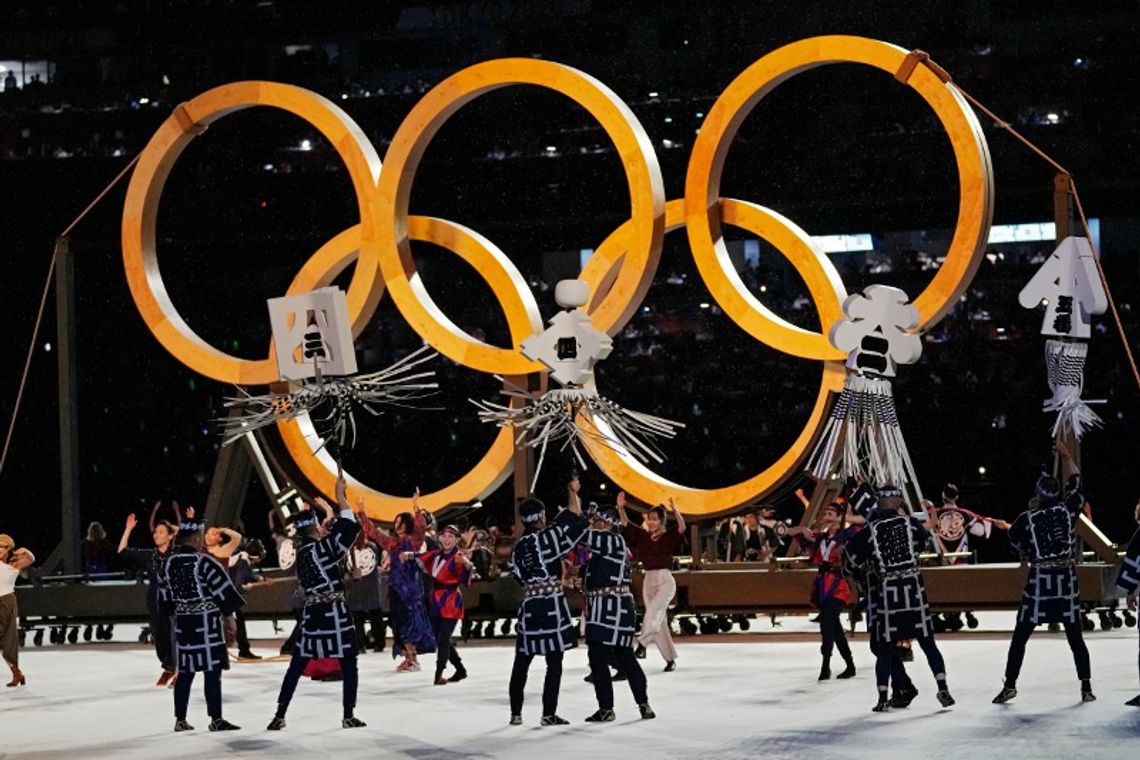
(416, 500)
(189, 513)
(620, 500)
(132, 521)
(575, 485)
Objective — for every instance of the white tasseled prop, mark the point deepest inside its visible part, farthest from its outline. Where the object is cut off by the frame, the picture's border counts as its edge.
(1065, 363)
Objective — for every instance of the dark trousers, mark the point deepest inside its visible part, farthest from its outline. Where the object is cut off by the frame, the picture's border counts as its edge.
(831, 630)
(350, 683)
(885, 668)
(162, 633)
(213, 694)
(242, 636)
(1021, 636)
(445, 652)
(294, 635)
(896, 670)
(550, 685)
(599, 656)
(379, 628)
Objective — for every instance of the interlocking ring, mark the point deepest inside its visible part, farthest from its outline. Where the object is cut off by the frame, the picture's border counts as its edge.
(620, 271)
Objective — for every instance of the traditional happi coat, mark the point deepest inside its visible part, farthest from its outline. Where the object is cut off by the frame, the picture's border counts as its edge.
(953, 527)
(327, 629)
(1128, 581)
(195, 588)
(362, 586)
(827, 556)
(887, 548)
(449, 577)
(1047, 538)
(544, 622)
(611, 614)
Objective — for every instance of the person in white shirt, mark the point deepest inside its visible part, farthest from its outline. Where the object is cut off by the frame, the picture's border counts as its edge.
(13, 561)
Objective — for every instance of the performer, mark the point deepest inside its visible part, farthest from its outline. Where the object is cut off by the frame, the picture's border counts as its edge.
(1046, 536)
(411, 631)
(830, 593)
(194, 587)
(1129, 579)
(362, 592)
(544, 624)
(611, 615)
(953, 527)
(327, 630)
(656, 546)
(151, 561)
(13, 561)
(450, 571)
(862, 504)
(889, 546)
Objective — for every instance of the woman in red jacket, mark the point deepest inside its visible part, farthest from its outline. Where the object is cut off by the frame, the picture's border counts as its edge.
(830, 592)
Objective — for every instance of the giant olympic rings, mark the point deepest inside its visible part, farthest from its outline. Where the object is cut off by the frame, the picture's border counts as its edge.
(620, 271)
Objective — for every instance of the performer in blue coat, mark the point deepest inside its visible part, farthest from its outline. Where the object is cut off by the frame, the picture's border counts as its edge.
(888, 547)
(327, 627)
(195, 588)
(544, 624)
(1129, 579)
(611, 615)
(1046, 537)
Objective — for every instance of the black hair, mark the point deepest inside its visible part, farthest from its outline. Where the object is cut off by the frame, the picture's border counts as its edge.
(659, 512)
(950, 492)
(408, 520)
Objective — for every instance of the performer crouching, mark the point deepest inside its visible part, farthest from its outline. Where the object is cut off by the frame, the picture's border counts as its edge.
(1129, 580)
(611, 616)
(327, 628)
(450, 571)
(656, 546)
(196, 589)
(889, 546)
(544, 624)
(1046, 536)
(13, 561)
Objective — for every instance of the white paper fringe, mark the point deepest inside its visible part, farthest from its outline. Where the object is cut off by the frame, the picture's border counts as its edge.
(557, 415)
(864, 419)
(1065, 364)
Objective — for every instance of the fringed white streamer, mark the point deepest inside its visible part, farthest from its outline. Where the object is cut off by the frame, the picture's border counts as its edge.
(873, 447)
(558, 415)
(336, 398)
(1065, 364)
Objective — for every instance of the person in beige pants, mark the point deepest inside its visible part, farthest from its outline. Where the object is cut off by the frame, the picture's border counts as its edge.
(656, 546)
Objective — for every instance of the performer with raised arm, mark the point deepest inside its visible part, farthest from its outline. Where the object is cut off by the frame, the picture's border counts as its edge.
(830, 593)
(13, 561)
(611, 615)
(888, 547)
(1129, 579)
(411, 630)
(327, 628)
(450, 571)
(655, 546)
(544, 624)
(196, 590)
(1045, 535)
(150, 561)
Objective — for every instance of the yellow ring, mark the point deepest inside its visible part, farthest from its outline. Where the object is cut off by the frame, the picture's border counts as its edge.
(702, 185)
(827, 292)
(523, 319)
(140, 212)
(647, 201)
